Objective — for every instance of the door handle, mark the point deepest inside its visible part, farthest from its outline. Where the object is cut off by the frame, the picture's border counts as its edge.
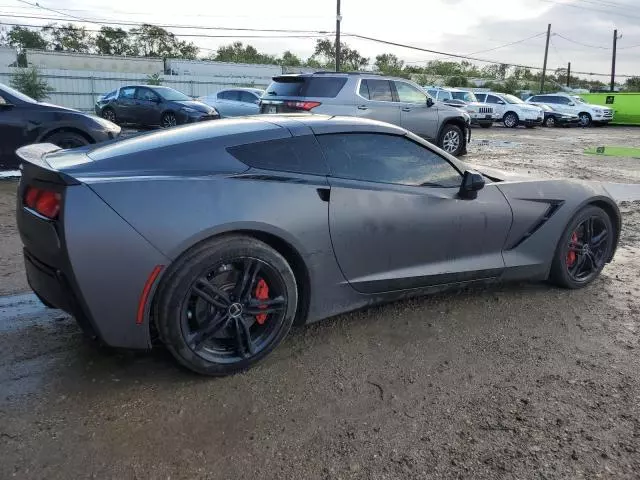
(324, 194)
(406, 109)
(363, 107)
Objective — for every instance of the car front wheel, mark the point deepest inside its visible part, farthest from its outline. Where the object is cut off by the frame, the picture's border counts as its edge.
(511, 120)
(585, 119)
(226, 304)
(169, 120)
(452, 140)
(550, 122)
(109, 114)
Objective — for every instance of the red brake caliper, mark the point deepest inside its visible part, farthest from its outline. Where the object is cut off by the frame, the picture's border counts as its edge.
(262, 293)
(571, 256)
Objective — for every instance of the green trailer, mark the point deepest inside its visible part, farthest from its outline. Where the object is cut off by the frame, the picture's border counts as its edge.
(626, 106)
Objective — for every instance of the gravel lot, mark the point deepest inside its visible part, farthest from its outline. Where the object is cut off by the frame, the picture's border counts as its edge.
(515, 381)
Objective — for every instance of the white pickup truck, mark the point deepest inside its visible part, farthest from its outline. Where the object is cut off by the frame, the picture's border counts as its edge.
(481, 113)
(573, 104)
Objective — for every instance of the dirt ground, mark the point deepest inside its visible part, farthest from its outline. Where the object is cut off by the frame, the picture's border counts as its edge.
(511, 382)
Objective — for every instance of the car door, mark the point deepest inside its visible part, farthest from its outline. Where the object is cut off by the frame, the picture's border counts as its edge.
(415, 114)
(375, 100)
(499, 106)
(147, 110)
(249, 102)
(396, 220)
(14, 131)
(563, 104)
(124, 105)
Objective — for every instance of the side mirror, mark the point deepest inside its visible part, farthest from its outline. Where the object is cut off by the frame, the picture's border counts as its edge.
(500, 102)
(571, 104)
(6, 106)
(471, 183)
(429, 102)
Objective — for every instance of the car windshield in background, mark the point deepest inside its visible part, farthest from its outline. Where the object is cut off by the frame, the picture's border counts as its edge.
(171, 95)
(545, 107)
(466, 96)
(298, 86)
(16, 94)
(578, 100)
(512, 99)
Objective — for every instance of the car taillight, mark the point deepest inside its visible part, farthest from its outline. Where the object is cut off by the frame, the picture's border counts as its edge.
(45, 202)
(302, 105)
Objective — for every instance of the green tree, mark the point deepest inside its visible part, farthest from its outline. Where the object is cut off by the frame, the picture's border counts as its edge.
(632, 84)
(510, 85)
(154, 79)
(155, 41)
(115, 41)
(457, 81)
(495, 70)
(69, 38)
(350, 59)
(238, 52)
(290, 59)
(22, 38)
(390, 64)
(30, 82)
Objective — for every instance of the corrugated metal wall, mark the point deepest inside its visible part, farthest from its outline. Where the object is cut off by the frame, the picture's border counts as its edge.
(80, 88)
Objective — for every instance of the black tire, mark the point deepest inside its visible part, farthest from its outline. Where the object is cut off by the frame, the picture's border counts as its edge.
(486, 125)
(510, 120)
(109, 114)
(560, 273)
(550, 122)
(68, 140)
(585, 119)
(168, 120)
(175, 312)
(452, 140)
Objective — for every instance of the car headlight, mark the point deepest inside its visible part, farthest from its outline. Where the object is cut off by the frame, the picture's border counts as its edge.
(597, 111)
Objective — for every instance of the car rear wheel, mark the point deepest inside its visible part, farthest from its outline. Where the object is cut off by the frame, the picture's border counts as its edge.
(585, 119)
(550, 122)
(169, 120)
(226, 304)
(511, 120)
(584, 248)
(68, 140)
(452, 140)
(109, 114)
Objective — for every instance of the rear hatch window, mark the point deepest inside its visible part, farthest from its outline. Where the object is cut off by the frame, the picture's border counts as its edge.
(303, 86)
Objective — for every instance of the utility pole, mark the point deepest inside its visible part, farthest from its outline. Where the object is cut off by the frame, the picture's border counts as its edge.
(546, 55)
(569, 74)
(338, 20)
(613, 60)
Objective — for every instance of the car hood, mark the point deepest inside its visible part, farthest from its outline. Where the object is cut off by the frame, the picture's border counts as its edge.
(601, 107)
(500, 175)
(58, 108)
(201, 107)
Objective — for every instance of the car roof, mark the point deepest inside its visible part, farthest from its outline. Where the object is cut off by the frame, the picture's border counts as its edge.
(242, 89)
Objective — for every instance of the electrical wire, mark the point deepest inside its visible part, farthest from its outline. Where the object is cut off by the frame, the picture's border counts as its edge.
(509, 44)
(580, 43)
(581, 7)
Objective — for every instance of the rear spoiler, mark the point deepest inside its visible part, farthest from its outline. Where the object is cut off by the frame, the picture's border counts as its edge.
(34, 164)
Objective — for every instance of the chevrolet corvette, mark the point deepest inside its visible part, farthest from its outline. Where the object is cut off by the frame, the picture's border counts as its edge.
(215, 238)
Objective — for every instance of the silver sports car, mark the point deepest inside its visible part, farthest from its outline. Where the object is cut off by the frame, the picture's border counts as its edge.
(213, 239)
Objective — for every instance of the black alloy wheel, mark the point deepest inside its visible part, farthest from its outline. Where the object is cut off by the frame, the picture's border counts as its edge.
(169, 120)
(109, 114)
(584, 249)
(226, 304)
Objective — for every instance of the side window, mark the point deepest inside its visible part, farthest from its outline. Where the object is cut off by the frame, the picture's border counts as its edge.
(482, 97)
(409, 94)
(386, 159)
(248, 97)
(146, 95)
(563, 100)
(536, 98)
(363, 91)
(380, 90)
(2, 101)
(294, 154)
(444, 95)
(232, 95)
(127, 92)
(492, 99)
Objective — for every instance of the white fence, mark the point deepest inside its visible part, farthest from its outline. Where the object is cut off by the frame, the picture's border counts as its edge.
(80, 89)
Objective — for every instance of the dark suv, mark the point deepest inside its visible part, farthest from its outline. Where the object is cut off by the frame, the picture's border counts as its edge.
(393, 100)
(150, 106)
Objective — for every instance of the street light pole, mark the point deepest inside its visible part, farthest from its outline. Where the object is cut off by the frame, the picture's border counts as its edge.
(338, 20)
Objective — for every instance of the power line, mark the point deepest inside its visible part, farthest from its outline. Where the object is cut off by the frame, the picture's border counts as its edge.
(509, 44)
(556, 50)
(36, 5)
(580, 43)
(581, 7)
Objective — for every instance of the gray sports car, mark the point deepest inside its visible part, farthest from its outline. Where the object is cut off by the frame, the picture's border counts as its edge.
(215, 238)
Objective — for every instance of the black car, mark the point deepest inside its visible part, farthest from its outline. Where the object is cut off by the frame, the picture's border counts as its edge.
(23, 120)
(553, 118)
(151, 106)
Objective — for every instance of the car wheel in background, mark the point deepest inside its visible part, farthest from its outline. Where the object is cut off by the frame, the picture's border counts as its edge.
(109, 114)
(585, 119)
(511, 120)
(169, 120)
(67, 140)
(550, 122)
(451, 140)
(583, 249)
(226, 304)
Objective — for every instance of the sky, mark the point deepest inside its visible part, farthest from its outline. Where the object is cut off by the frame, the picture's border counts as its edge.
(582, 30)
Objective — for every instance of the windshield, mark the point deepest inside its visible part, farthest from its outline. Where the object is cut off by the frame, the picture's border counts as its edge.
(171, 95)
(545, 107)
(466, 96)
(578, 100)
(16, 94)
(511, 99)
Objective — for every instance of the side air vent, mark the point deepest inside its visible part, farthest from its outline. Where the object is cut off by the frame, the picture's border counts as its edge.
(553, 208)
